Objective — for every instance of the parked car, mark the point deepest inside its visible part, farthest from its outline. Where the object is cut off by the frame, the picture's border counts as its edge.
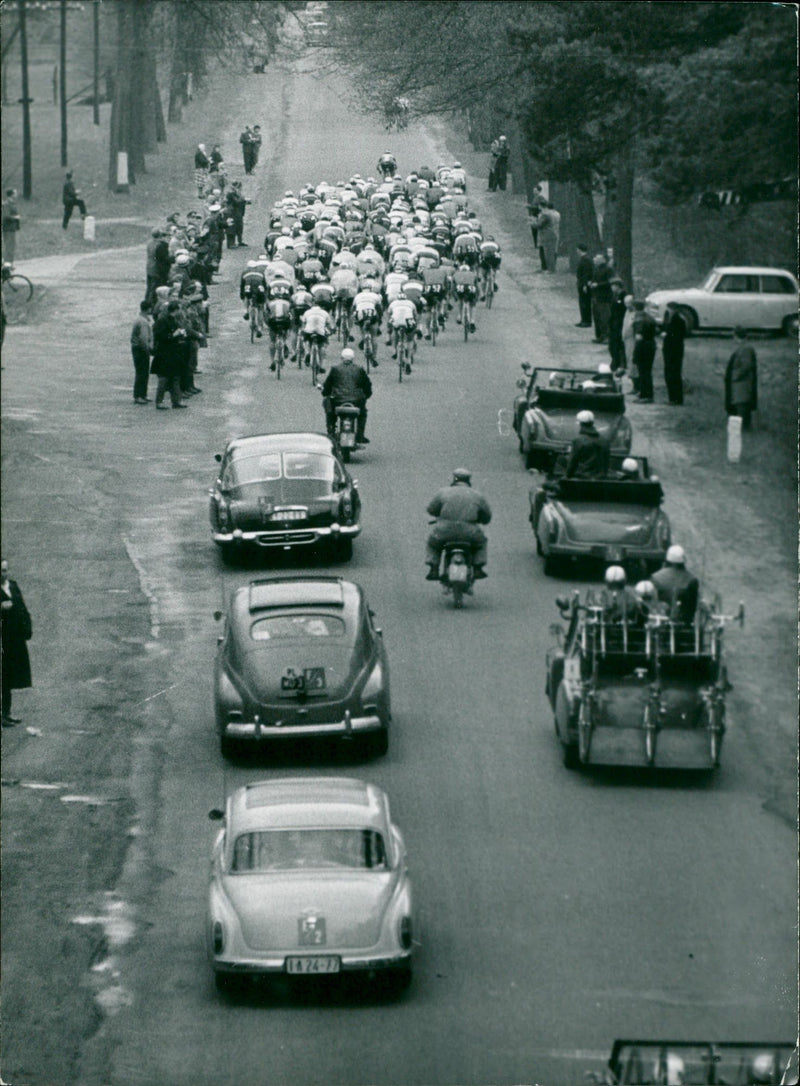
(615, 519)
(756, 298)
(301, 658)
(544, 413)
(284, 490)
(308, 879)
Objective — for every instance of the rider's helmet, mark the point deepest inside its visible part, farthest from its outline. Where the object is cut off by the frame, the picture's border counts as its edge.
(555, 380)
(762, 1068)
(585, 418)
(645, 590)
(604, 369)
(252, 264)
(615, 577)
(348, 355)
(676, 556)
(462, 475)
(630, 467)
(288, 193)
(502, 139)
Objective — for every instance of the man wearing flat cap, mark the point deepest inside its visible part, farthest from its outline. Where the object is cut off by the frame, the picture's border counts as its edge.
(590, 452)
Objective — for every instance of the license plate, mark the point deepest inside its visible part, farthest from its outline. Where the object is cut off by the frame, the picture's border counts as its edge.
(457, 574)
(308, 966)
(289, 514)
(348, 439)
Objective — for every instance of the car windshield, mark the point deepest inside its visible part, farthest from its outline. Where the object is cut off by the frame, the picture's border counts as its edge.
(709, 281)
(294, 850)
(296, 627)
(270, 467)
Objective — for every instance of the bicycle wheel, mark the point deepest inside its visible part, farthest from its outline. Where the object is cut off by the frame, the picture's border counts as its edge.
(650, 728)
(433, 324)
(465, 316)
(17, 292)
(585, 729)
(279, 356)
(253, 323)
(401, 359)
(489, 288)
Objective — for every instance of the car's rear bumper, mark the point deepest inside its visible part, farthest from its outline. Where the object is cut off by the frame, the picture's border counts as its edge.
(258, 731)
(606, 552)
(288, 537)
(350, 963)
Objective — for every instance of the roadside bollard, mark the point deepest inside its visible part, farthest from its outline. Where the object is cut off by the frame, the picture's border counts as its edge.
(734, 439)
(88, 228)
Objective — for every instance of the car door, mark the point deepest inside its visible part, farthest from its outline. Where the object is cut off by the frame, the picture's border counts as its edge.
(778, 299)
(735, 300)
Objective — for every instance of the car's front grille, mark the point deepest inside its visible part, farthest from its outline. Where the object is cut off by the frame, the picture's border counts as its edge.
(271, 539)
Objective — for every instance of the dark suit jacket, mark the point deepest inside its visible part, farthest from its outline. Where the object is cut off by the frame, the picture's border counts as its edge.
(16, 630)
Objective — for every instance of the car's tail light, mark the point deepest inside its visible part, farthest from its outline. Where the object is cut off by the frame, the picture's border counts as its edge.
(406, 932)
(374, 683)
(223, 515)
(218, 937)
(347, 507)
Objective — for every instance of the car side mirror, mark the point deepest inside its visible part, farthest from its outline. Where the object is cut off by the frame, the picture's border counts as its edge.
(217, 616)
(216, 815)
(562, 603)
(218, 457)
(526, 367)
(521, 383)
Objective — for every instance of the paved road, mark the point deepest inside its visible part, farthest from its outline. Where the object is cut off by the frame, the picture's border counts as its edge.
(558, 910)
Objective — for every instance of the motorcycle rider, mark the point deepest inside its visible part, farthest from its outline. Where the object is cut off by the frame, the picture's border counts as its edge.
(676, 586)
(460, 512)
(347, 383)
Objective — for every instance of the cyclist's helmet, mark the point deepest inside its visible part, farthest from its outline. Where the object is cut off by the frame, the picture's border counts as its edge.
(615, 576)
(348, 355)
(645, 590)
(630, 467)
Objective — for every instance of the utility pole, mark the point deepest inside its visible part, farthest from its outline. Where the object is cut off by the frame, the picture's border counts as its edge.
(63, 82)
(25, 101)
(96, 28)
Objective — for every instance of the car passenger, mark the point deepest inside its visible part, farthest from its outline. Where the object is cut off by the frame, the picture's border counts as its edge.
(590, 452)
(677, 587)
(620, 602)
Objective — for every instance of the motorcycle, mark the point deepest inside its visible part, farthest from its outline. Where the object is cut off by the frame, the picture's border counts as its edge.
(456, 570)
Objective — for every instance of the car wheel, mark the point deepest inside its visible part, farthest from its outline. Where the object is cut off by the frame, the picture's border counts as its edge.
(228, 554)
(229, 984)
(398, 980)
(550, 565)
(690, 318)
(569, 755)
(790, 325)
(377, 744)
(228, 748)
(531, 458)
(343, 549)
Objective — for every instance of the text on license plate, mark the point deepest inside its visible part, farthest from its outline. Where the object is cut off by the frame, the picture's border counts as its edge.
(313, 965)
(289, 514)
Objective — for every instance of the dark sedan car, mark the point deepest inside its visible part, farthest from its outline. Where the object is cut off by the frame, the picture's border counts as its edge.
(544, 412)
(284, 490)
(301, 658)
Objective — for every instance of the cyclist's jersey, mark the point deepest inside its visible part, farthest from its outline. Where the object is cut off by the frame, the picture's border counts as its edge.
(458, 176)
(279, 269)
(393, 283)
(322, 293)
(252, 283)
(279, 288)
(345, 259)
(279, 313)
(460, 226)
(387, 162)
(414, 290)
(427, 257)
(315, 322)
(464, 280)
(301, 301)
(326, 248)
(402, 313)
(308, 220)
(334, 234)
(345, 283)
(401, 257)
(367, 305)
(490, 254)
(465, 246)
(281, 243)
(370, 262)
(310, 269)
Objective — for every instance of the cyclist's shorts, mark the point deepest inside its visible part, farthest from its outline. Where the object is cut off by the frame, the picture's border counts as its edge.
(280, 324)
(464, 291)
(258, 293)
(315, 337)
(366, 316)
(346, 294)
(490, 260)
(433, 292)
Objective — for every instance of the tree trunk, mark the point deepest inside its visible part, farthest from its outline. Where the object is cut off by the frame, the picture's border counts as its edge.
(622, 235)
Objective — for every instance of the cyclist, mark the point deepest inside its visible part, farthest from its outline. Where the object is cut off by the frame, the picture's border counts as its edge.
(465, 281)
(346, 258)
(387, 165)
(370, 262)
(489, 257)
(310, 269)
(253, 287)
(367, 308)
(316, 325)
(435, 286)
(402, 317)
(302, 301)
(322, 293)
(465, 248)
(279, 319)
(344, 282)
(458, 175)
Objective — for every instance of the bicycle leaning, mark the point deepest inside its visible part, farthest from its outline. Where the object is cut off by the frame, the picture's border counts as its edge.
(17, 293)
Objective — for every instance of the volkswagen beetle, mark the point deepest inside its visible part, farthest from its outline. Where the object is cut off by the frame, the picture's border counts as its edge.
(301, 658)
(308, 879)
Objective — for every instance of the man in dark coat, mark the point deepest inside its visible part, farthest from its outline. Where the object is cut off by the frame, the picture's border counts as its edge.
(16, 632)
(70, 198)
(675, 331)
(600, 288)
(169, 352)
(676, 587)
(590, 452)
(347, 383)
(158, 263)
(584, 273)
(741, 379)
(460, 512)
(616, 344)
(645, 331)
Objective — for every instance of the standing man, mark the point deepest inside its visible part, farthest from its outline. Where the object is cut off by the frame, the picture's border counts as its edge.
(246, 140)
(498, 168)
(169, 343)
(645, 331)
(675, 331)
(616, 344)
(16, 632)
(158, 263)
(255, 140)
(236, 207)
(70, 197)
(600, 288)
(11, 221)
(141, 349)
(584, 273)
(741, 379)
(548, 225)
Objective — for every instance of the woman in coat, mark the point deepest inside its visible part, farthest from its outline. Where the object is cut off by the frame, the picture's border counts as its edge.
(16, 632)
(741, 379)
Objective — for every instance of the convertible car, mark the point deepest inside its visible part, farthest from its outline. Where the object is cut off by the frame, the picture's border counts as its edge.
(284, 490)
(308, 879)
(544, 412)
(606, 520)
(299, 659)
(744, 1062)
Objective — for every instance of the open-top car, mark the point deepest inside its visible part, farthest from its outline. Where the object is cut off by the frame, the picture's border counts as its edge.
(308, 879)
(758, 298)
(617, 519)
(739, 1063)
(284, 490)
(301, 658)
(544, 413)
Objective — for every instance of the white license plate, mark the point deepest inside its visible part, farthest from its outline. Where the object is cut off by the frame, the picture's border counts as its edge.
(348, 439)
(289, 514)
(457, 574)
(316, 965)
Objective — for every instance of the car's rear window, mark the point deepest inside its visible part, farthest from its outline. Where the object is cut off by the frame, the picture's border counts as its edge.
(309, 849)
(296, 627)
(272, 466)
(776, 284)
(738, 284)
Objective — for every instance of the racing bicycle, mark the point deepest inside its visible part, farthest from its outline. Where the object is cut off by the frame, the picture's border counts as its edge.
(370, 347)
(406, 338)
(279, 349)
(489, 285)
(254, 319)
(312, 351)
(465, 313)
(17, 293)
(343, 321)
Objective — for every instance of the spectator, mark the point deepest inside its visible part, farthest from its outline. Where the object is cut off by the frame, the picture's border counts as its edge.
(645, 331)
(158, 263)
(11, 221)
(584, 273)
(201, 164)
(498, 168)
(616, 344)
(141, 349)
(246, 140)
(16, 632)
(741, 379)
(627, 328)
(600, 287)
(256, 148)
(534, 210)
(675, 331)
(169, 339)
(70, 197)
(548, 226)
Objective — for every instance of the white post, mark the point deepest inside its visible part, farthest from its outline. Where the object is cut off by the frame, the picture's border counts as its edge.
(122, 171)
(88, 228)
(734, 439)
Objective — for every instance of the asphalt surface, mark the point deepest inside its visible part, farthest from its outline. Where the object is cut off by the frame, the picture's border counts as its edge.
(558, 910)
